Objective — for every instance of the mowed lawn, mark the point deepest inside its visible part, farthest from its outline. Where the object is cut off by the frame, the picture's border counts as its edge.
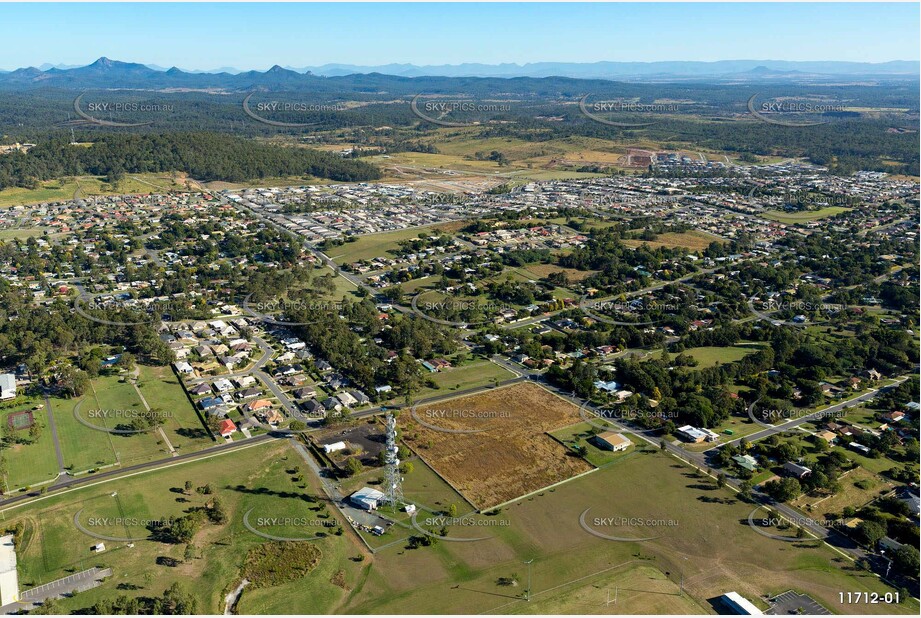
(108, 404)
(83, 448)
(29, 464)
(708, 356)
(183, 427)
(114, 396)
(260, 479)
(479, 372)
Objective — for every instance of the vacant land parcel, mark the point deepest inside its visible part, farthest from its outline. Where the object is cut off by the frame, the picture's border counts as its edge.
(493, 446)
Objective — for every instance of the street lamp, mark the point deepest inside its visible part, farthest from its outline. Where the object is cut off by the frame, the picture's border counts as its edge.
(528, 562)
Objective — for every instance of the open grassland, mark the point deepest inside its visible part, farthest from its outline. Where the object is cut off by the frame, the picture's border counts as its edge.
(379, 245)
(711, 549)
(72, 187)
(261, 480)
(111, 404)
(22, 233)
(804, 216)
(508, 454)
(539, 271)
(693, 240)
(849, 495)
(635, 588)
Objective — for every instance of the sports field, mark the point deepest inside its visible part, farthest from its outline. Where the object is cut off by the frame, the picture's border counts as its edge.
(32, 461)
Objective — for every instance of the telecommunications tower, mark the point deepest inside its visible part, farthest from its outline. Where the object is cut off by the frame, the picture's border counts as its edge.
(393, 480)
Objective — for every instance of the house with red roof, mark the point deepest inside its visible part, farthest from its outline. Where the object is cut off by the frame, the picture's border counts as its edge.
(226, 428)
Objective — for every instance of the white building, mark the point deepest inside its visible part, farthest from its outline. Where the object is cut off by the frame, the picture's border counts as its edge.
(9, 579)
(367, 499)
(7, 386)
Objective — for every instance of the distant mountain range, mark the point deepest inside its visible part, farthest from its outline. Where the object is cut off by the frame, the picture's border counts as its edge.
(630, 70)
(106, 73)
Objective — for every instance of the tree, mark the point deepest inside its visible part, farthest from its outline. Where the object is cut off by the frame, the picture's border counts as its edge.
(784, 489)
(452, 510)
(353, 466)
(217, 513)
(720, 480)
(906, 559)
(745, 491)
(188, 487)
(177, 601)
(871, 532)
(189, 553)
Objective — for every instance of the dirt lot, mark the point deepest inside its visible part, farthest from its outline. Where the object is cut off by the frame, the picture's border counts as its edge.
(507, 452)
(367, 439)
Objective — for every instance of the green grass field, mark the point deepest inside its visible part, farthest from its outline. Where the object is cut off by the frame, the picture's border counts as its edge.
(709, 526)
(477, 372)
(83, 448)
(580, 435)
(258, 479)
(804, 216)
(709, 356)
(377, 245)
(162, 390)
(29, 464)
(66, 188)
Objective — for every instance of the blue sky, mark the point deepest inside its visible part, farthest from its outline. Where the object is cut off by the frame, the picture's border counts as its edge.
(256, 36)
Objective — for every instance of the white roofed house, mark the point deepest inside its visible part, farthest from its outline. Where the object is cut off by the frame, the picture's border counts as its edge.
(7, 386)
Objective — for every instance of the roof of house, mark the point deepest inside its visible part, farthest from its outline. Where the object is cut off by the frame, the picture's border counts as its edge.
(613, 438)
(227, 426)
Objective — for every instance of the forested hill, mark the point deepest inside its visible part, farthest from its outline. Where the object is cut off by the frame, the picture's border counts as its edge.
(204, 156)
